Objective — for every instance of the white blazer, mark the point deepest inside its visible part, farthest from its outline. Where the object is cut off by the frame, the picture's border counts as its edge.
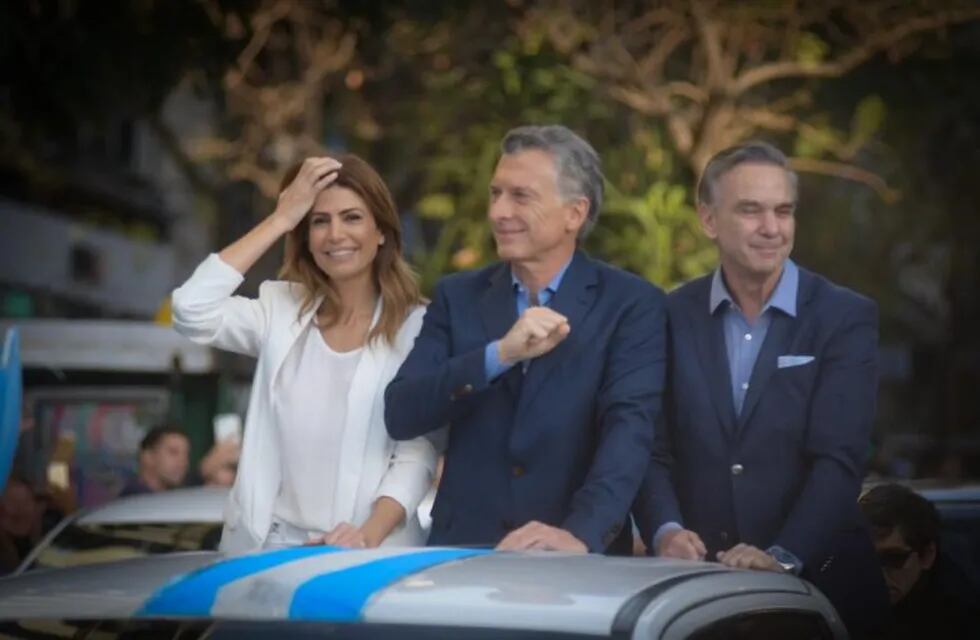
(372, 464)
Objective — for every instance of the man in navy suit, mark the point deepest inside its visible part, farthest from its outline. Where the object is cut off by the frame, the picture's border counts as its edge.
(547, 367)
(772, 378)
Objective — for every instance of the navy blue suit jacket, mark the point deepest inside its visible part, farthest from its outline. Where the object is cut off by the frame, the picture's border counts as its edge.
(568, 442)
(787, 471)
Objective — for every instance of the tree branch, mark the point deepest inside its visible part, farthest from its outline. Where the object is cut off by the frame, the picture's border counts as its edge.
(872, 46)
(652, 18)
(848, 172)
(652, 66)
(262, 23)
(645, 102)
(768, 119)
(711, 42)
(687, 90)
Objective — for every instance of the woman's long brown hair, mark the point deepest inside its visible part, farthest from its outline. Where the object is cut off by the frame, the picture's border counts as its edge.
(392, 275)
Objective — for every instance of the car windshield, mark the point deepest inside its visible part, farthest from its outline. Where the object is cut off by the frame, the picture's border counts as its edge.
(80, 544)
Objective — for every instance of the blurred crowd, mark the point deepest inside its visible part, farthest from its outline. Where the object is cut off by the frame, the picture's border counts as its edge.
(27, 513)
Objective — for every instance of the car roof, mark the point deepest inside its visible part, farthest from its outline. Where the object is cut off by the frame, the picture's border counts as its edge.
(585, 594)
(933, 489)
(960, 494)
(191, 504)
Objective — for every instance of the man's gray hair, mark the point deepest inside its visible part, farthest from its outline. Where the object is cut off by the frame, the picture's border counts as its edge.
(754, 152)
(576, 162)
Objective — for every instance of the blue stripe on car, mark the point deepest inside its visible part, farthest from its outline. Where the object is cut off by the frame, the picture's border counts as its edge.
(194, 594)
(339, 596)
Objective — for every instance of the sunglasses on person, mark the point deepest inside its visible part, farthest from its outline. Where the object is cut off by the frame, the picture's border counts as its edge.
(894, 558)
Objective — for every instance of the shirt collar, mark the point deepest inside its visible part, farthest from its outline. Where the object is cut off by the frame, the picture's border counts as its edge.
(782, 298)
(551, 287)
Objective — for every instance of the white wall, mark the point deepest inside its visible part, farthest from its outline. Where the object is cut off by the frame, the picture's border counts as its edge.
(132, 277)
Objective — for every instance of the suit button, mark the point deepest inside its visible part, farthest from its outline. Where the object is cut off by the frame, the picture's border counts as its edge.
(517, 470)
(724, 537)
(826, 564)
(737, 469)
(462, 391)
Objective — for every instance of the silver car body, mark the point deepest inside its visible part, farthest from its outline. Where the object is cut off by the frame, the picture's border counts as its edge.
(951, 496)
(190, 505)
(588, 595)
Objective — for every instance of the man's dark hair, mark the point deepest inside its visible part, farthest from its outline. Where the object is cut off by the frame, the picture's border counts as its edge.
(891, 506)
(158, 433)
(576, 162)
(753, 152)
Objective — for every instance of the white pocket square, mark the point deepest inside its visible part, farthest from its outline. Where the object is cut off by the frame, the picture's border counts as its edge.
(783, 362)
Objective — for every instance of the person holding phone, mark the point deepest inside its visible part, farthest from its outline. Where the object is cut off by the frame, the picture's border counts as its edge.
(317, 464)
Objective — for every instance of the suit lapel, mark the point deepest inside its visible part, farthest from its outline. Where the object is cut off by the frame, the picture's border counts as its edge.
(497, 307)
(287, 340)
(713, 355)
(779, 340)
(574, 298)
(499, 313)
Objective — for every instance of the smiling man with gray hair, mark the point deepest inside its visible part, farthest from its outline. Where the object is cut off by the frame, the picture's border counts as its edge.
(547, 366)
(773, 375)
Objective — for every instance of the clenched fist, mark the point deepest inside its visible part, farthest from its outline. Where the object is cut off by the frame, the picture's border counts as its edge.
(536, 332)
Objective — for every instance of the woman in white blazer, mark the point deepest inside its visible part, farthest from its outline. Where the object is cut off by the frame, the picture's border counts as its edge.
(317, 464)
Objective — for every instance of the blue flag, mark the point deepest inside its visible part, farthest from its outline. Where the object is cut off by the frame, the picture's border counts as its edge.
(10, 399)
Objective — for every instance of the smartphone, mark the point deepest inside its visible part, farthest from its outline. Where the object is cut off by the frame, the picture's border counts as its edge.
(227, 426)
(58, 476)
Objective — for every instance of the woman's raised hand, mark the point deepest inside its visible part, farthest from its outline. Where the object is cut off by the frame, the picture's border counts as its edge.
(296, 200)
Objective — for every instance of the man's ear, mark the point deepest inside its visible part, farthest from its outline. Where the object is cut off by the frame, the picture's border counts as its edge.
(706, 215)
(578, 213)
(927, 557)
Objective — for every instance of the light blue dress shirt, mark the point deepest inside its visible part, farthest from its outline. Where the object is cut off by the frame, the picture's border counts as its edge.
(491, 355)
(743, 341)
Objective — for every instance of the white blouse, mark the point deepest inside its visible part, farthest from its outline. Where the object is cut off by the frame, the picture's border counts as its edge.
(311, 411)
(270, 328)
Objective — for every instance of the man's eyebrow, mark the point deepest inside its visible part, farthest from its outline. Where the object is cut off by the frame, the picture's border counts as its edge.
(523, 189)
(758, 203)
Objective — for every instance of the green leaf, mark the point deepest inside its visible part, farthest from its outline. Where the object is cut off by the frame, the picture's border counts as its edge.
(436, 206)
(868, 117)
(503, 60)
(811, 50)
